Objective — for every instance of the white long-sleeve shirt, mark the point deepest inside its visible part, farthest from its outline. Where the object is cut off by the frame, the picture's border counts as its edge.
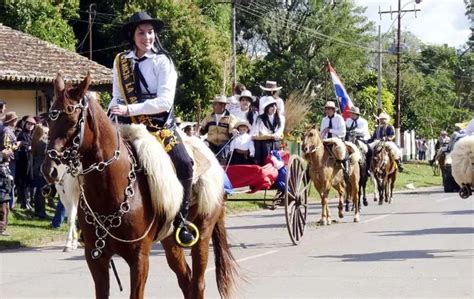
(160, 75)
(360, 126)
(338, 126)
(259, 129)
(242, 115)
(243, 142)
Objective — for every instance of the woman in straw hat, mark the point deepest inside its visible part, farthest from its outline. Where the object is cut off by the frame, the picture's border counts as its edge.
(268, 130)
(244, 112)
(272, 91)
(151, 100)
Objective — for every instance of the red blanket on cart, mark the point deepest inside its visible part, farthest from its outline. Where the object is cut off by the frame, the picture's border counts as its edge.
(254, 176)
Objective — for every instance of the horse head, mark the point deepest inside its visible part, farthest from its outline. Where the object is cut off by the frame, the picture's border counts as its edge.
(68, 132)
(311, 139)
(380, 159)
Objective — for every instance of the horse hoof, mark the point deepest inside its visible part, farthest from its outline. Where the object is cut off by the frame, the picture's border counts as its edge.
(375, 199)
(366, 203)
(323, 222)
(356, 219)
(341, 215)
(67, 249)
(380, 203)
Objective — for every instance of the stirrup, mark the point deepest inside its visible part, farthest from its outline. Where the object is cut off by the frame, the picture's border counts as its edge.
(192, 229)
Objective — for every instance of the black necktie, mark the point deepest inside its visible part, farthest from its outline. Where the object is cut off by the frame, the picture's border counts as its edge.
(330, 126)
(139, 76)
(354, 124)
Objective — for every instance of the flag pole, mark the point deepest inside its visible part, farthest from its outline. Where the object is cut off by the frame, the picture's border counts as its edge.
(337, 98)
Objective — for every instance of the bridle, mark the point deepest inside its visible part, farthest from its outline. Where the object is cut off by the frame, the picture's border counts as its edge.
(70, 156)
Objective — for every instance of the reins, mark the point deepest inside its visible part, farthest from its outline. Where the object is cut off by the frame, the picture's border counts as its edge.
(70, 156)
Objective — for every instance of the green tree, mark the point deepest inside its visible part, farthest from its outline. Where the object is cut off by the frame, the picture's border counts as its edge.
(47, 20)
(289, 41)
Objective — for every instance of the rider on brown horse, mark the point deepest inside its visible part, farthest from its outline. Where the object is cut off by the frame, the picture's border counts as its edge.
(143, 92)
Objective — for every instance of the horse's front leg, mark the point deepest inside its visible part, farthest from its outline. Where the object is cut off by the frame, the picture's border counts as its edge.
(71, 242)
(324, 209)
(99, 269)
(139, 265)
(177, 262)
(376, 187)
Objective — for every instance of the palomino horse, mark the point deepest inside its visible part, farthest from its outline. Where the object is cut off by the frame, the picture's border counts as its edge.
(325, 172)
(123, 208)
(384, 169)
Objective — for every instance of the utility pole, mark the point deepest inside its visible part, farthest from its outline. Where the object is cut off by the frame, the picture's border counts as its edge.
(234, 50)
(399, 12)
(91, 7)
(379, 77)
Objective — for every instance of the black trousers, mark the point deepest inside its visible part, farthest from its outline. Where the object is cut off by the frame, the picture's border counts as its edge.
(263, 148)
(182, 162)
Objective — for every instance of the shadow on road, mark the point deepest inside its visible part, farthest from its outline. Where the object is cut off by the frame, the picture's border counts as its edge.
(391, 255)
(428, 231)
(461, 212)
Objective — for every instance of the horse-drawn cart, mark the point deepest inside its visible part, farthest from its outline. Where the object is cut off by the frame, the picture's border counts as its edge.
(289, 180)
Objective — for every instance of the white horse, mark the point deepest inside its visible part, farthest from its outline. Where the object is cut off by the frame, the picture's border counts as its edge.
(68, 191)
(462, 165)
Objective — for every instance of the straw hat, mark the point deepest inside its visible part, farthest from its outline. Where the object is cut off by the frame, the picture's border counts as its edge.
(355, 110)
(242, 123)
(383, 115)
(247, 94)
(139, 18)
(9, 117)
(270, 86)
(178, 120)
(220, 99)
(330, 104)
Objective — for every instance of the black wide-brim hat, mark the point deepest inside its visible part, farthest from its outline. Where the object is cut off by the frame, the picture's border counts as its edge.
(139, 18)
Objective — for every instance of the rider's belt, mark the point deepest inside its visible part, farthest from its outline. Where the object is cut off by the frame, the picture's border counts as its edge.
(153, 122)
(242, 152)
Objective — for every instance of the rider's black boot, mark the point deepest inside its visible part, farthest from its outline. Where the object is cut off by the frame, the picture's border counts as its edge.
(345, 168)
(400, 165)
(185, 236)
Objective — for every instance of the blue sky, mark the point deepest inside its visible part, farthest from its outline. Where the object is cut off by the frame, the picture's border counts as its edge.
(438, 22)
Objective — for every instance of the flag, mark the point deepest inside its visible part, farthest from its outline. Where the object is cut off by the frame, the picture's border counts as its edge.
(345, 102)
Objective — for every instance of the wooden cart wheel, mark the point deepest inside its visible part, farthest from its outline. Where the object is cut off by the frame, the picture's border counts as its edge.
(296, 198)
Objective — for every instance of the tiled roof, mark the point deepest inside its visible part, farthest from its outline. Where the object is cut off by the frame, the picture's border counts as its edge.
(25, 58)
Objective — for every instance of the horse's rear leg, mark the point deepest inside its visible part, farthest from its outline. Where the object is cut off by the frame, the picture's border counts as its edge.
(200, 254)
(177, 262)
(99, 269)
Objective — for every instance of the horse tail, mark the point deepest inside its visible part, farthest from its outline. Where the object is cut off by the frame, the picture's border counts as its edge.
(226, 266)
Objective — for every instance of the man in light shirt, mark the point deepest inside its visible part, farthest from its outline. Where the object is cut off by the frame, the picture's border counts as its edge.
(357, 125)
(333, 126)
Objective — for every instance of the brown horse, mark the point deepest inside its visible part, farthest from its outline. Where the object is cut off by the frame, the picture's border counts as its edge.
(118, 213)
(384, 169)
(326, 172)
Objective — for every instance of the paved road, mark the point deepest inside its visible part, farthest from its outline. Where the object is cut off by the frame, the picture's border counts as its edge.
(422, 245)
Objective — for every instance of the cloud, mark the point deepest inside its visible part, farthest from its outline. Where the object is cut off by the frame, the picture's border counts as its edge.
(438, 22)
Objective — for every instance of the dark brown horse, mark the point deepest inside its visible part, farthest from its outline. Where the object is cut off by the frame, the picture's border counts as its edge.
(117, 213)
(384, 169)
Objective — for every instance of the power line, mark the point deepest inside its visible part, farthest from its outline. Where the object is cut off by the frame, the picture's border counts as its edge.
(298, 28)
(103, 49)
